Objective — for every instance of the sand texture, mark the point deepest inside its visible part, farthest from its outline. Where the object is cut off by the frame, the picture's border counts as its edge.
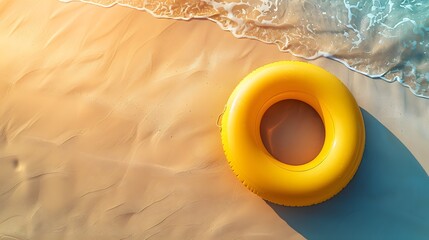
(108, 125)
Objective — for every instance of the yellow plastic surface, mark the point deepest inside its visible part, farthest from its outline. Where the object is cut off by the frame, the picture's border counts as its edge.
(277, 182)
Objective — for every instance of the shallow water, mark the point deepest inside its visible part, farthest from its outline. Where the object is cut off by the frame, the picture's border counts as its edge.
(387, 39)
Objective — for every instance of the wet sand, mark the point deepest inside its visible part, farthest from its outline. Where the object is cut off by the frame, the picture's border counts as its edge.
(108, 125)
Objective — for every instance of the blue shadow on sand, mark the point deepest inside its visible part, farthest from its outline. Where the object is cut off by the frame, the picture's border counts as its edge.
(387, 199)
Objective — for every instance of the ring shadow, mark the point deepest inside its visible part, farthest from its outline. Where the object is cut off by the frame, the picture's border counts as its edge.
(388, 198)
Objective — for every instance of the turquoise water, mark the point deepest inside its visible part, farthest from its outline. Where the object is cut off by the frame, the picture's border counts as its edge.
(387, 39)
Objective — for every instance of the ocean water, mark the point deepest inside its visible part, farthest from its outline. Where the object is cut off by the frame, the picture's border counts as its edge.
(383, 39)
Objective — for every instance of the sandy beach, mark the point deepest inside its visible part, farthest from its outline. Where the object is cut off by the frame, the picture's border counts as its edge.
(108, 125)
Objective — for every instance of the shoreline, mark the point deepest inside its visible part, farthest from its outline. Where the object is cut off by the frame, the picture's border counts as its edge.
(320, 54)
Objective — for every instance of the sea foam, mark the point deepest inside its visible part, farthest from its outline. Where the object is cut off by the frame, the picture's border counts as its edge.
(387, 39)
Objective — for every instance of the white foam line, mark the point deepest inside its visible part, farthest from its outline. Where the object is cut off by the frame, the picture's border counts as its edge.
(315, 56)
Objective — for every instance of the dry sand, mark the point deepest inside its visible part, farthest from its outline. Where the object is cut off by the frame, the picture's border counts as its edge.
(108, 125)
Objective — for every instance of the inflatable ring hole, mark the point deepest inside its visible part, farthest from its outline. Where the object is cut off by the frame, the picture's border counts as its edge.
(292, 132)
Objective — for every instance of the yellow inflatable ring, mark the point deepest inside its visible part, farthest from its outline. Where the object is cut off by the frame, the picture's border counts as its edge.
(293, 185)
